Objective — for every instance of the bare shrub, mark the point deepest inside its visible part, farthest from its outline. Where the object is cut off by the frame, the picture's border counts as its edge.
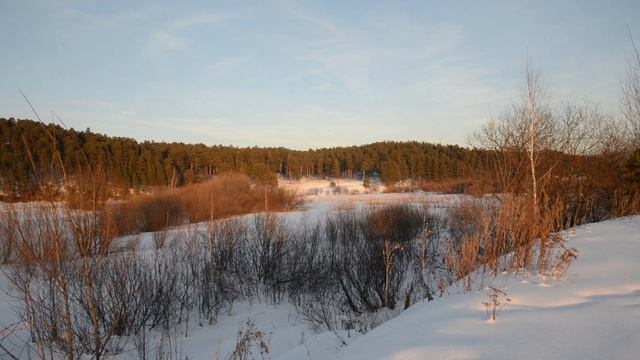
(8, 234)
(465, 259)
(152, 212)
(464, 219)
(141, 344)
(221, 197)
(248, 340)
(563, 259)
(169, 347)
(502, 235)
(219, 275)
(430, 251)
(497, 300)
(282, 199)
(160, 238)
(60, 255)
(472, 241)
(370, 253)
(5, 333)
(395, 227)
(321, 309)
(77, 297)
(233, 194)
(626, 203)
(279, 259)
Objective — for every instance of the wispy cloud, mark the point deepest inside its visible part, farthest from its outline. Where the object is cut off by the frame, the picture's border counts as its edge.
(171, 37)
(307, 15)
(201, 19)
(442, 40)
(103, 19)
(304, 73)
(353, 56)
(163, 41)
(224, 65)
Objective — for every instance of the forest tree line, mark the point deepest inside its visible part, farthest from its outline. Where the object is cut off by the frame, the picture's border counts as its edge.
(31, 151)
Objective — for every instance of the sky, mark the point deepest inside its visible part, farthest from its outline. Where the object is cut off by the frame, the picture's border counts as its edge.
(304, 74)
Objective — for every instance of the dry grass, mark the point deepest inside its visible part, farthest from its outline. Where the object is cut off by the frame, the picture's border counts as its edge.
(221, 197)
(509, 234)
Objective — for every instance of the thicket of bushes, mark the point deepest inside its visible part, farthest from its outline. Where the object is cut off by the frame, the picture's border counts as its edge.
(79, 297)
(221, 197)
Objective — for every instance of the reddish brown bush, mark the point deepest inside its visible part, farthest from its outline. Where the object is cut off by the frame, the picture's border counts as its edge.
(223, 196)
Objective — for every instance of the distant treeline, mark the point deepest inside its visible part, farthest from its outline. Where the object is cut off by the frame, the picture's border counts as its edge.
(33, 153)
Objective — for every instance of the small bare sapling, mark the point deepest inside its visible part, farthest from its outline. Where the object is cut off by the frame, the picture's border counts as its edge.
(497, 300)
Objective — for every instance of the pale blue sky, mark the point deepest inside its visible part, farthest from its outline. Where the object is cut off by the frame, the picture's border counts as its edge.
(303, 74)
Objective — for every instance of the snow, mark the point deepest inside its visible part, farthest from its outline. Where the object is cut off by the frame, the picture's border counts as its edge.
(593, 313)
(317, 206)
(287, 335)
(324, 187)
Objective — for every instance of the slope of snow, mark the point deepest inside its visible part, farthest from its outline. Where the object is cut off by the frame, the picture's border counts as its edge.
(594, 313)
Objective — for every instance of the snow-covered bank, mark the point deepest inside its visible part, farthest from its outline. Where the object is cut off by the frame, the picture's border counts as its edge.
(594, 313)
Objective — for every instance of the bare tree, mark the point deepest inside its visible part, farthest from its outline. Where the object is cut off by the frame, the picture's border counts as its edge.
(631, 94)
(533, 92)
(553, 162)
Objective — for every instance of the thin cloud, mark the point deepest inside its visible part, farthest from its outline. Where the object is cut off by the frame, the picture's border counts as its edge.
(102, 19)
(201, 19)
(170, 38)
(315, 18)
(162, 41)
(225, 65)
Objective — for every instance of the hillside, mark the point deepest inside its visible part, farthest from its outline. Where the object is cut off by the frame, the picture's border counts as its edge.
(26, 144)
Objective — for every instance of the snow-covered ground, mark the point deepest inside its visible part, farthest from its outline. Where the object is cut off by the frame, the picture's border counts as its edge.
(286, 335)
(593, 313)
